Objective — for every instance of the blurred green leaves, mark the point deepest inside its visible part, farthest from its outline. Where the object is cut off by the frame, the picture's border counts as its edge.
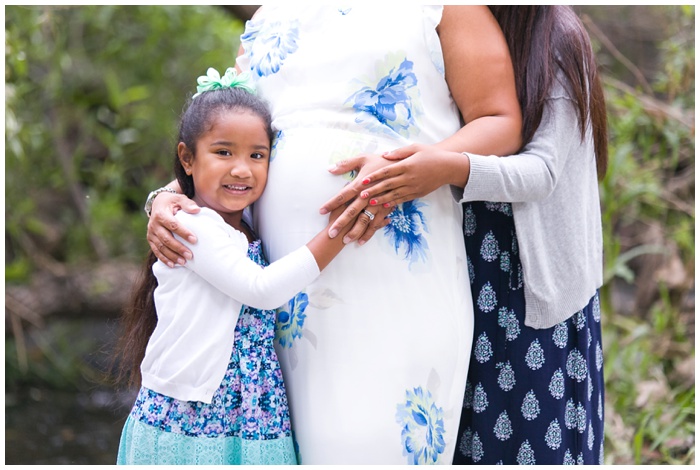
(648, 209)
(93, 96)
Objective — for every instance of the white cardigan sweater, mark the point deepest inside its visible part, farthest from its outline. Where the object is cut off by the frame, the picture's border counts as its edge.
(198, 305)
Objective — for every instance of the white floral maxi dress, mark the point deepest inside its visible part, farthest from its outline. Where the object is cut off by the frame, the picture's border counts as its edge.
(375, 352)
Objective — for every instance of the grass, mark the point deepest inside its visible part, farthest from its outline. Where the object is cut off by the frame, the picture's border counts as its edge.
(650, 387)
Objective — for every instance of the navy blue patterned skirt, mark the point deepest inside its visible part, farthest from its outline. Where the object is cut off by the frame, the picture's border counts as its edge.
(533, 396)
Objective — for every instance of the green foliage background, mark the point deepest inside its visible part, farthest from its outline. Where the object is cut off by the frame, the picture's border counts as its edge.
(93, 95)
(92, 99)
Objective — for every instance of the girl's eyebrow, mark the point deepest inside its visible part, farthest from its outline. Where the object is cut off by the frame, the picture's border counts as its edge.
(221, 142)
(226, 143)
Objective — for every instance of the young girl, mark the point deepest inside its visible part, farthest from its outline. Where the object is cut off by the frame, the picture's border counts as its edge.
(200, 337)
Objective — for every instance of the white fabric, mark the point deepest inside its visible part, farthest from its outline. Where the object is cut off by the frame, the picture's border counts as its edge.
(375, 364)
(198, 305)
(556, 209)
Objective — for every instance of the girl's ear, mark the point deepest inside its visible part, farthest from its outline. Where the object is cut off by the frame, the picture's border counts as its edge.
(186, 157)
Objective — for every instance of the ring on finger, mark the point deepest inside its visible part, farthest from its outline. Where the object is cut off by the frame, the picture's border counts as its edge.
(368, 214)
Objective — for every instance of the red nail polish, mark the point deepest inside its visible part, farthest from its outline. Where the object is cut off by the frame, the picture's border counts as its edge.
(364, 194)
(373, 202)
(386, 204)
(365, 181)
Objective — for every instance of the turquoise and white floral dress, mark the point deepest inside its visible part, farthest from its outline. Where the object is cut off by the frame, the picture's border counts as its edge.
(247, 421)
(375, 352)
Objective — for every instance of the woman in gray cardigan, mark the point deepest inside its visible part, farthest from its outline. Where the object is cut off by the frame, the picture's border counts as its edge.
(535, 388)
(536, 375)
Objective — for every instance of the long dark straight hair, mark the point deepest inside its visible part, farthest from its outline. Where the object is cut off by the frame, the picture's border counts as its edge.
(542, 40)
(139, 317)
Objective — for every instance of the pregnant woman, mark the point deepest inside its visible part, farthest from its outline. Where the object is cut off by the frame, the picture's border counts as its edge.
(374, 352)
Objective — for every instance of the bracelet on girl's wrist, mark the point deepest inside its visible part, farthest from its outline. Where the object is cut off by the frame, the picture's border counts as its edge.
(152, 196)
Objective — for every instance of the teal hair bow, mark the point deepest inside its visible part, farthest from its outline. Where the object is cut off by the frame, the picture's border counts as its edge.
(231, 79)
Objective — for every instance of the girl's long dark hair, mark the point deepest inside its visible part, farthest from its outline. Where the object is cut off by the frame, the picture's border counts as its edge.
(138, 320)
(139, 317)
(543, 39)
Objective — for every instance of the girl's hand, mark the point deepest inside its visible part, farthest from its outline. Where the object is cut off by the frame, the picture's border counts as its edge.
(428, 168)
(163, 223)
(364, 227)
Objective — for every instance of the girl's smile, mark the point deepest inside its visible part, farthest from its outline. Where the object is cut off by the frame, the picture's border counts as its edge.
(236, 189)
(230, 163)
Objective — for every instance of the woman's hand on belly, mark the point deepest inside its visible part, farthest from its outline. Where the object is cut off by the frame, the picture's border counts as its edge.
(415, 171)
(358, 208)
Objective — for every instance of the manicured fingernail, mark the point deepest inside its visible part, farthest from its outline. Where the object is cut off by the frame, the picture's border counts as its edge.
(365, 181)
(188, 255)
(323, 211)
(364, 194)
(333, 233)
(361, 242)
(332, 167)
(192, 239)
(386, 204)
(347, 239)
(385, 154)
(181, 261)
(373, 202)
(170, 264)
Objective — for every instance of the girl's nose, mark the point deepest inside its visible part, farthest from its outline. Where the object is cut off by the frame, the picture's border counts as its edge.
(241, 170)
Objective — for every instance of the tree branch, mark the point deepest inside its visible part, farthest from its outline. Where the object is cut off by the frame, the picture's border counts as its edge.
(607, 43)
(653, 105)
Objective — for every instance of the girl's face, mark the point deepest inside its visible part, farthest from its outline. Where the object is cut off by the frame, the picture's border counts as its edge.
(230, 164)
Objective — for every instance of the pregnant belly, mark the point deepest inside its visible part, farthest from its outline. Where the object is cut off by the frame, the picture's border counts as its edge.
(287, 216)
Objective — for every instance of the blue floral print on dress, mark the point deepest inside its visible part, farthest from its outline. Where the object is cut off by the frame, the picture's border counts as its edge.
(526, 456)
(506, 377)
(553, 436)
(503, 428)
(537, 372)
(483, 351)
(277, 145)
(407, 223)
(535, 358)
(290, 320)
(269, 44)
(422, 427)
(531, 406)
(390, 102)
(556, 385)
(477, 448)
(508, 320)
(487, 298)
(480, 399)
